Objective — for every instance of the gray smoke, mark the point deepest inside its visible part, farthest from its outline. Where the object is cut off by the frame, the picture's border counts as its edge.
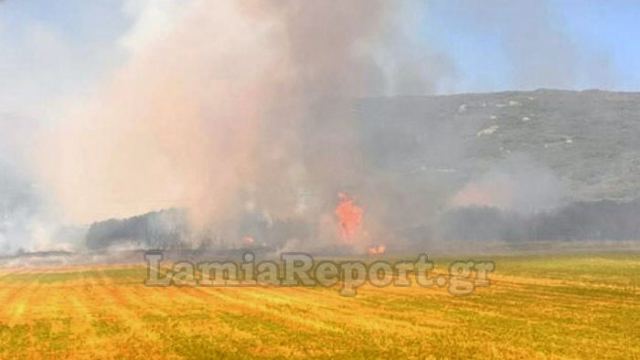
(236, 109)
(234, 105)
(516, 184)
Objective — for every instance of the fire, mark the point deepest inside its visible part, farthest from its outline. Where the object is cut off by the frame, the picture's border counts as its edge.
(493, 192)
(349, 218)
(376, 250)
(248, 241)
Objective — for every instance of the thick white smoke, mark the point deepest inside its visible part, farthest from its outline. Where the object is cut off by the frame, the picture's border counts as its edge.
(221, 98)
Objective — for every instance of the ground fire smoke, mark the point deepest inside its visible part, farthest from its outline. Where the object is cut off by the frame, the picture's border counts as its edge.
(248, 118)
(234, 102)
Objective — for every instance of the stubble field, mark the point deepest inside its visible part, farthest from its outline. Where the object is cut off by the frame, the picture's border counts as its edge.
(562, 306)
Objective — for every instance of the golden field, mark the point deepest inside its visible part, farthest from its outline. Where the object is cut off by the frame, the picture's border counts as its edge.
(556, 307)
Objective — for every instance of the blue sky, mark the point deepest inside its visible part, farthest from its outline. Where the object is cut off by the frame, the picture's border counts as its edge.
(613, 28)
(599, 36)
(50, 49)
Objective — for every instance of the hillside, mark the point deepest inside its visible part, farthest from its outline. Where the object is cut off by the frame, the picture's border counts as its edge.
(590, 140)
(512, 166)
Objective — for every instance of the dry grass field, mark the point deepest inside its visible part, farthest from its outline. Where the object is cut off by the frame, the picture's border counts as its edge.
(564, 306)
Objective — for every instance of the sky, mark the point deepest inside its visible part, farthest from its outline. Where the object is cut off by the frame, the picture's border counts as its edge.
(503, 45)
(52, 50)
(74, 71)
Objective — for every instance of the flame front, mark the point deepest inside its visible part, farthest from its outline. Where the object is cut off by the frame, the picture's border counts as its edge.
(376, 250)
(349, 218)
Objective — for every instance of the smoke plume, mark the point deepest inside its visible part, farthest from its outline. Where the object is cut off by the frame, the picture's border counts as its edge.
(228, 105)
(516, 184)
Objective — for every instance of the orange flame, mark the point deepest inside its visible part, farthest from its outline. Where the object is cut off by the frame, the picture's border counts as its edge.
(349, 218)
(248, 241)
(376, 250)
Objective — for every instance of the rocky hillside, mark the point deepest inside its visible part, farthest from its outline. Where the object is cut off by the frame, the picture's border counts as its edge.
(541, 165)
(590, 140)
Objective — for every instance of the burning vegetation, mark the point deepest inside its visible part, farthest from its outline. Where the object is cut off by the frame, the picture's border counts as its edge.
(376, 250)
(349, 218)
